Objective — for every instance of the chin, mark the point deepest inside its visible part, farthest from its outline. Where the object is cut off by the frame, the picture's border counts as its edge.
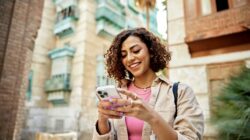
(136, 74)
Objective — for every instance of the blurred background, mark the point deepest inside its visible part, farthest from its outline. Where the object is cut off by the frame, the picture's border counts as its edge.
(51, 57)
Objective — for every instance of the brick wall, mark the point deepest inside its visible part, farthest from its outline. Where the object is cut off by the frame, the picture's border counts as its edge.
(219, 32)
(217, 24)
(19, 22)
(5, 16)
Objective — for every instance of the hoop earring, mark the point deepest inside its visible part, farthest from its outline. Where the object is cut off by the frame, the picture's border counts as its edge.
(126, 74)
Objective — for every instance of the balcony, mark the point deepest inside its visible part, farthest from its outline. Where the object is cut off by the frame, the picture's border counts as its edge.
(65, 51)
(58, 89)
(59, 98)
(60, 82)
(220, 32)
(62, 4)
(110, 18)
(65, 27)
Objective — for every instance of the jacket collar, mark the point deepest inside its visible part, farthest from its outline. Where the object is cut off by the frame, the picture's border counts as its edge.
(159, 78)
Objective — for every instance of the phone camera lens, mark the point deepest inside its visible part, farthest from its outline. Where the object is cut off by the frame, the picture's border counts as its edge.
(102, 93)
(99, 92)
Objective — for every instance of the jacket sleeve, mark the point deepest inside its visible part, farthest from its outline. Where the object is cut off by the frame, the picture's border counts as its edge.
(111, 135)
(189, 123)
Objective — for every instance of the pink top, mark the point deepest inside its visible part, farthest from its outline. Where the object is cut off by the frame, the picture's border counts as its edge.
(135, 125)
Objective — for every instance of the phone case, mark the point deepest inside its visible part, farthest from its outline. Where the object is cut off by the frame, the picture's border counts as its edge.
(107, 92)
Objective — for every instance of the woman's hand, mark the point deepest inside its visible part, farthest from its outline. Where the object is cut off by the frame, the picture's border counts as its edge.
(136, 108)
(106, 109)
(141, 110)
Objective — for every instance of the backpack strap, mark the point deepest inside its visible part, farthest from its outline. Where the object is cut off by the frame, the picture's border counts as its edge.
(175, 92)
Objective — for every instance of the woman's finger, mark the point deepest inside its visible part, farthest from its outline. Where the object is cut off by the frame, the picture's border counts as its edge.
(133, 106)
(112, 117)
(108, 112)
(104, 104)
(128, 93)
(120, 102)
(124, 109)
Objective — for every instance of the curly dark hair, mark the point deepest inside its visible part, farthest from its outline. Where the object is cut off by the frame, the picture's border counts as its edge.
(158, 60)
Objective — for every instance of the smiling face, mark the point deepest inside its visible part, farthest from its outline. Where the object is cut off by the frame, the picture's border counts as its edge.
(136, 57)
(153, 56)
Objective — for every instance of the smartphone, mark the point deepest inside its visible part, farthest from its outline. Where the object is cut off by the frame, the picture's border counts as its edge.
(107, 92)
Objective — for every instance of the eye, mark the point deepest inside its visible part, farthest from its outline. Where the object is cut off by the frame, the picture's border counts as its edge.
(123, 55)
(137, 51)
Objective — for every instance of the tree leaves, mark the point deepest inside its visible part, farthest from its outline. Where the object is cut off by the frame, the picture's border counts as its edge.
(232, 112)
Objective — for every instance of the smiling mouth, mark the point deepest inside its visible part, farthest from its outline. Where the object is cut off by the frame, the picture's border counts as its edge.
(134, 65)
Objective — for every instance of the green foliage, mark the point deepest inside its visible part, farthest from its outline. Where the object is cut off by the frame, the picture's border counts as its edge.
(232, 108)
(165, 4)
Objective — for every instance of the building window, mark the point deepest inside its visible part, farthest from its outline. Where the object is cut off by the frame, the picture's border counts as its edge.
(59, 125)
(67, 12)
(221, 5)
(238, 3)
(206, 7)
(192, 8)
(102, 78)
(29, 89)
(197, 8)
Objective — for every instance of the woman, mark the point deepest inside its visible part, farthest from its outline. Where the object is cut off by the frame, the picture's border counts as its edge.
(147, 109)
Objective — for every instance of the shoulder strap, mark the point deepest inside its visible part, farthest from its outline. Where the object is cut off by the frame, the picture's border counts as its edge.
(175, 92)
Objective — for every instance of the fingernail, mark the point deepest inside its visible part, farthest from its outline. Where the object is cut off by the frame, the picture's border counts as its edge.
(110, 100)
(112, 108)
(121, 114)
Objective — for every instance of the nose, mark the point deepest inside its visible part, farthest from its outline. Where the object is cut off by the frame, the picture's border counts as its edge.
(130, 57)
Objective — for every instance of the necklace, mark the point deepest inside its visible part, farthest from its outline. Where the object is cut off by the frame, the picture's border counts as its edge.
(144, 89)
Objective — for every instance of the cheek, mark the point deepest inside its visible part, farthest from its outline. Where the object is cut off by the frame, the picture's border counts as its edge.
(147, 59)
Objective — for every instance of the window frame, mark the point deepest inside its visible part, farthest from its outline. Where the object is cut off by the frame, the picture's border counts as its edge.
(198, 7)
(214, 7)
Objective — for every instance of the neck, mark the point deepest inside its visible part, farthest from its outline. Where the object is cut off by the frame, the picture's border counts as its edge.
(145, 80)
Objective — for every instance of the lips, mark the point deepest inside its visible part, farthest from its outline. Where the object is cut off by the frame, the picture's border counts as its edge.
(134, 65)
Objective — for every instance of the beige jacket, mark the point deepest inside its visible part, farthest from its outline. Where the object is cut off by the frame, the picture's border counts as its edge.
(188, 124)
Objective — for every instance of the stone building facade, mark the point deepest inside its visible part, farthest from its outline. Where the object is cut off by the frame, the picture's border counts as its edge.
(209, 40)
(68, 63)
(19, 22)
